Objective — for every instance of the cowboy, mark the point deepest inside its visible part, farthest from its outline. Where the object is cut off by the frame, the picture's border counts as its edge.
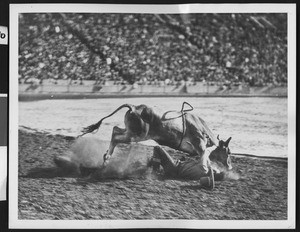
(191, 169)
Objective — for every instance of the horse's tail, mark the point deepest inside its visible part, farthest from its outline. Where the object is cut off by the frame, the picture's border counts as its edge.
(96, 126)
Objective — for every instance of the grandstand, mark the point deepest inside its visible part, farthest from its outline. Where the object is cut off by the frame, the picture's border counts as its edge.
(165, 50)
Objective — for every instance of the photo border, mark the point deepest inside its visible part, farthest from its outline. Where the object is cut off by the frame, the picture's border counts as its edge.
(15, 9)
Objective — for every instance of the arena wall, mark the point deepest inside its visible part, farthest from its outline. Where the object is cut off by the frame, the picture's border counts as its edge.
(87, 89)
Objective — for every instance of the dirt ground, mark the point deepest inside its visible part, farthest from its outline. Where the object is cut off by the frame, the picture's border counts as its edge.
(255, 190)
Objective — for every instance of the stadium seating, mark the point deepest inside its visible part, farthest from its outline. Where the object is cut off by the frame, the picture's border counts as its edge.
(230, 49)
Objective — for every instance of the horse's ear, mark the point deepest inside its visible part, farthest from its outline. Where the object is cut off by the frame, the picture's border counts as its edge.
(227, 141)
(221, 143)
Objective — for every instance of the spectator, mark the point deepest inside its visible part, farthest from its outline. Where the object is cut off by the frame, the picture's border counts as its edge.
(137, 48)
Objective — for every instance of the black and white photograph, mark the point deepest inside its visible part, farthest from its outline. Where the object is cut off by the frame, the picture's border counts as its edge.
(152, 116)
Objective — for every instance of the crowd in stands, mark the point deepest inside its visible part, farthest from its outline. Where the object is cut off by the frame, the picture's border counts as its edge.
(231, 49)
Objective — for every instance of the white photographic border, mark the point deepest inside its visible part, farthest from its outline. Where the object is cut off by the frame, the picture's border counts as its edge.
(3, 158)
(15, 9)
(3, 172)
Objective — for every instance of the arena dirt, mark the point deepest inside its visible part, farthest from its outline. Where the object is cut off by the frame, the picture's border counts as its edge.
(256, 189)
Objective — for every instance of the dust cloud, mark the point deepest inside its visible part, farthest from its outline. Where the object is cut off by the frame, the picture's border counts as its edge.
(126, 161)
(87, 152)
(232, 175)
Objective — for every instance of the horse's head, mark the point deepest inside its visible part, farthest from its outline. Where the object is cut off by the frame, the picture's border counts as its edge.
(222, 154)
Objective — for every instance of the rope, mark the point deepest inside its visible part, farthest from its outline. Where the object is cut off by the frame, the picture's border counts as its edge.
(183, 112)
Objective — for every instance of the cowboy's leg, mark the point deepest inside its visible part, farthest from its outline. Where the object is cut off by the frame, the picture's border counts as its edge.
(165, 160)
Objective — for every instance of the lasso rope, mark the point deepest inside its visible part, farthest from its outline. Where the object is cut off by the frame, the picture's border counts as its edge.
(183, 111)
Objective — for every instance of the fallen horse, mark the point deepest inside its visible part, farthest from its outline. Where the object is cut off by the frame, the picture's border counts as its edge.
(179, 130)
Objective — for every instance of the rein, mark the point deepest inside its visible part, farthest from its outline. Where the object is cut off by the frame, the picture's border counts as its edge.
(183, 111)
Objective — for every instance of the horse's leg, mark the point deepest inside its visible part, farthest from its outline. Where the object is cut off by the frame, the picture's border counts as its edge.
(119, 135)
(204, 153)
(197, 146)
(201, 146)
